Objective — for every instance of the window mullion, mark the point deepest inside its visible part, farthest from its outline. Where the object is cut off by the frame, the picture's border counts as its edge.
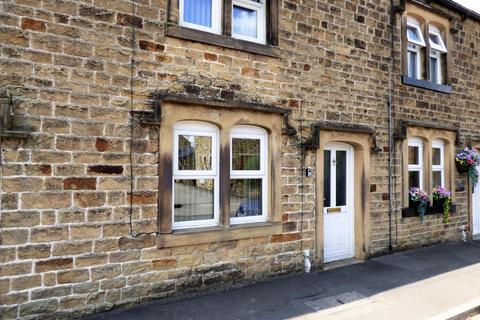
(427, 52)
(227, 17)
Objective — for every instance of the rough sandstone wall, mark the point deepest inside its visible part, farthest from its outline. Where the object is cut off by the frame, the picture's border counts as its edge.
(65, 242)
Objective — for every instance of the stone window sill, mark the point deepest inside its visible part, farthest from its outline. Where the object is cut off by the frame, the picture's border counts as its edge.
(174, 30)
(424, 84)
(216, 234)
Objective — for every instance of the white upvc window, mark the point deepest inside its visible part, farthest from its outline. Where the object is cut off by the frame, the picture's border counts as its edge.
(204, 15)
(437, 52)
(435, 39)
(414, 32)
(415, 45)
(195, 175)
(435, 65)
(415, 163)
(249, 20)
(248, 174)
(438, 163)
(413, 61)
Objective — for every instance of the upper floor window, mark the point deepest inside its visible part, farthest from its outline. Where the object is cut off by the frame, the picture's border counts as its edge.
(415, 48)
(203, 15)
(424, 49)
(437, 55)
(246, 19)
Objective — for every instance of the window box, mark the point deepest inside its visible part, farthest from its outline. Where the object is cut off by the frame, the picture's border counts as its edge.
(436, 208)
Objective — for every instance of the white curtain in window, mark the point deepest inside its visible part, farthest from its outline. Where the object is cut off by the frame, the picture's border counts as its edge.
(198, 12)
(245, 21)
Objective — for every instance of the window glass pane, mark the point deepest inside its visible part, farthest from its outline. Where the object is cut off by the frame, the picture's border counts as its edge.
(193, 199)
(341, 178)
(198, 12)
(412, 34)
(413, 179)
(194, 152)
(433, 69)
(436, 156)
(326, 178)
(245, 154)
(413, 155)
(437, 178)
(245, 21)
(412, 64)
(245, 197)
(434, 39)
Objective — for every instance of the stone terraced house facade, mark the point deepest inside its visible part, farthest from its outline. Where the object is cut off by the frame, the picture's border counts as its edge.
(155, 148)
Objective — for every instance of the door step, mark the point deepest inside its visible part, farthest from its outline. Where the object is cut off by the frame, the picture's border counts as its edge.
(341, 263)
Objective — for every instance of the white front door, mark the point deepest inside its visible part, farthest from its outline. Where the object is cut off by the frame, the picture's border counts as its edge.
(476, 207)
(338, 205)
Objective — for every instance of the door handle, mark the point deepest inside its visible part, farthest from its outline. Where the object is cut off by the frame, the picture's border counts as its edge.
(334, 210)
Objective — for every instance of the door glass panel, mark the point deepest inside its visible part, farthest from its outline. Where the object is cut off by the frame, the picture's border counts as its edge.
(245, 197)
(437, 178)
(413, 155)
(341, 183)
(193, 199)
(436, 156)
(326, 178)
(245, 154)
(414, 179)
(194, 152)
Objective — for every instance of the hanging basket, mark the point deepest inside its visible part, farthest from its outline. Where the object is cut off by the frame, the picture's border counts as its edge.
(461, 168)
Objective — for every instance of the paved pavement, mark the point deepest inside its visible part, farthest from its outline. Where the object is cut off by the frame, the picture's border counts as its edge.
(428, 283)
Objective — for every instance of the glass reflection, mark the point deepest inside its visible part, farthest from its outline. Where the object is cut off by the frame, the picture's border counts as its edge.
(245, 197)
(245, 154)
(193, 199)
(244, 21)
(194, 152)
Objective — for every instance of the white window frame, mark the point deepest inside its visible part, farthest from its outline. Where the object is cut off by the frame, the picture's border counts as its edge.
(414, 48)
(197, 129)
(252, 132)
(417, 142)
(433, 30)
(437, 55)
(439, 144)
(413, 23)
(216, 18)
(261, 20)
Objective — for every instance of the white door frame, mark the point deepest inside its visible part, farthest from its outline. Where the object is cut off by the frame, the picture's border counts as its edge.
(348, 209)
(476, 208)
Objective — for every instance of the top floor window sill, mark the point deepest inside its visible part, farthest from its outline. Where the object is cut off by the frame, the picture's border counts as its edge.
(424, 84)
(174, 30)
